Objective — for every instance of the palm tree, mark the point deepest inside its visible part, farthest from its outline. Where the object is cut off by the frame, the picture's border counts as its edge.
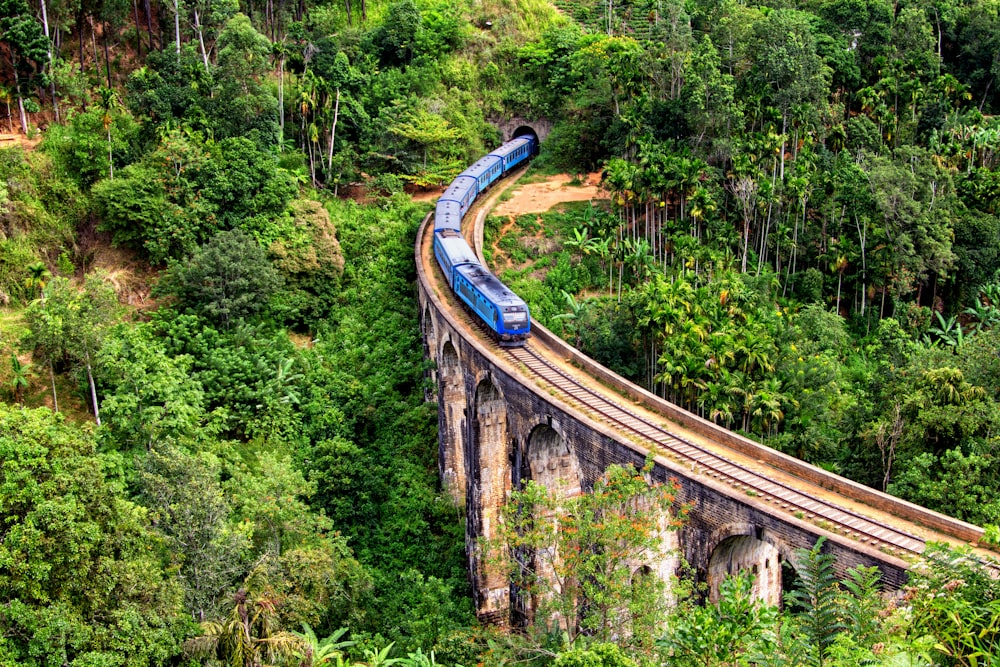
(38, 276)
(109, 104)
(767, 409)
(249, 637)
(754, 348)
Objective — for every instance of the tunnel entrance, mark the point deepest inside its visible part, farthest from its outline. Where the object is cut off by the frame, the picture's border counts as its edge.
(527, 131)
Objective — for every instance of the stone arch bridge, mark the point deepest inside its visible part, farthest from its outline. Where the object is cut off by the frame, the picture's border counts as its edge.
(751, 507)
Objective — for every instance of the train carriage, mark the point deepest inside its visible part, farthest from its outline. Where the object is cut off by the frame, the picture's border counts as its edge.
(505, 312)
(448, 215)
(463, 191)
(451, 250)
(514, 152)
(486, 170)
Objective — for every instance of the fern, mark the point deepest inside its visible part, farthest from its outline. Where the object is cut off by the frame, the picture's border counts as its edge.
(817, 596)
(862, 604)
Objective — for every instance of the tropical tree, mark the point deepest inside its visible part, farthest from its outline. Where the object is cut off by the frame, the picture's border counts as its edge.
(317, 652)
(816, 600)
(20, 372)
(68, 323)
(26, 45)
(251, 634)
(723, 633)
(38, 276)
(90, 585)
(226, 280)
(108, 105)
(579, 556)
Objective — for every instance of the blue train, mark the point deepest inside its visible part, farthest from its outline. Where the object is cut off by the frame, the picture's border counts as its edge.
(504, 312)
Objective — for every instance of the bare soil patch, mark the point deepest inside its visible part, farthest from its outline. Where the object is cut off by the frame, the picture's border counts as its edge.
(8, 140)
(539, 197)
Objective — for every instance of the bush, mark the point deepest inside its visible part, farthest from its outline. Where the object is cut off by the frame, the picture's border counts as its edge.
(228, 279)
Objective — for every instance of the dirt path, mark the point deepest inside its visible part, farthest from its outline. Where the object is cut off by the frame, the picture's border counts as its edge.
(541, 196)
(495, 245)
(8, 140)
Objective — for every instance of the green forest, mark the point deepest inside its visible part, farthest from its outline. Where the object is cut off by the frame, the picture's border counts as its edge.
(216, 443)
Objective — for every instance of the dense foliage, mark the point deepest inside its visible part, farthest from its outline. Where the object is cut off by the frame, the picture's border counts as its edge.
(237, 465)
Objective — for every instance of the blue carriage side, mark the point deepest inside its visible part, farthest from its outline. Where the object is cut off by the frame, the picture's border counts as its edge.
(514, 152)
(502, 310)
(485, 170)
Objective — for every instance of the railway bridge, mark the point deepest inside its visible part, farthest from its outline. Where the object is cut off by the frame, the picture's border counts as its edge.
(548, 413)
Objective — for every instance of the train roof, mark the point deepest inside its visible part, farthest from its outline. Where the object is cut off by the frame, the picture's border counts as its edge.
(458, 188)
(511, 146)
(448, 215)
(456, 248)
(448, 207)
(490, 285)
(481, 166)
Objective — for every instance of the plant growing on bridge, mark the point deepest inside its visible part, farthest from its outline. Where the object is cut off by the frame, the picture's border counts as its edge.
(588, 562)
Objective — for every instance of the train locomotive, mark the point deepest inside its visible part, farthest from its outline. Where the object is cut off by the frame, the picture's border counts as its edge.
(503, 312)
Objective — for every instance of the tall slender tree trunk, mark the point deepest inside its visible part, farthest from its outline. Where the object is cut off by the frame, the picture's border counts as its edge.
(784, 129)
(55, 396)
(48, 47)
(177, 27)
(93, 45)
(79, 22)
(201, 39)
(107, 57)
(333, 133)
(281, 99)
(149, 23)
(840, 280)
(111, 163)
(746, 243)
(20, 103)
(93, 389)
(138, 31)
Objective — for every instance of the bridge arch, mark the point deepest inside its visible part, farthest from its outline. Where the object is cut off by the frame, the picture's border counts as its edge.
(552, 462)
(491, 486)
(427, 330)
(451, 424)
(430, 344)
(745, 547)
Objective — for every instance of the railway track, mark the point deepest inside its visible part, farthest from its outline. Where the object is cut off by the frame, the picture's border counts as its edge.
(700, 460)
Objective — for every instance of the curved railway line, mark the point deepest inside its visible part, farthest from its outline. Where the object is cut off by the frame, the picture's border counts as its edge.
(752, 475)
(701, 460)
